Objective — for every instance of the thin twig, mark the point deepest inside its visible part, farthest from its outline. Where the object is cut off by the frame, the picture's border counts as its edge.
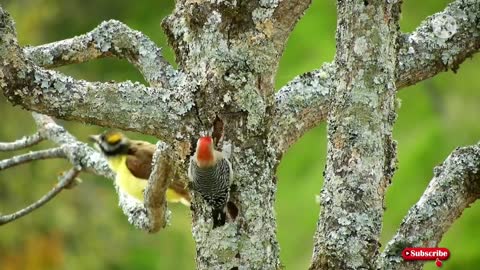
(65, 181)
(76, 151)
(24, 142)
(57, 152)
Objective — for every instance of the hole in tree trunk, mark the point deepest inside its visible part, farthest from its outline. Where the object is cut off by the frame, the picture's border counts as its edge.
(217, 132)
(232, 210)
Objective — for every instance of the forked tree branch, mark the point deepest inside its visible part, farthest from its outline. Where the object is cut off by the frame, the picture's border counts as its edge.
(150, 216)
(64, 181)
(77, 152)
(129, 106)
(441, 42)
(110, 39)
(455, 185)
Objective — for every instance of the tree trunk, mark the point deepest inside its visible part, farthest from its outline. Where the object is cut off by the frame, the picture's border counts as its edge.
(361, 151)
(227, 50)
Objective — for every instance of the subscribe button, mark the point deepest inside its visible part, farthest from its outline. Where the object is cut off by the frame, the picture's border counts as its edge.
(425, 254)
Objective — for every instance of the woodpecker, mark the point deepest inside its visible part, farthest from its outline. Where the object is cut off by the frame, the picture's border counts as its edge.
(211, 175)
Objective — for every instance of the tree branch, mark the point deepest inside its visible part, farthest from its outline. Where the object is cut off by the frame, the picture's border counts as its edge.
(441, 42)
(422, 54)
(287, 14)
(24, 142)
(455, 185)
(150, 216)
(76, 152)
(110, 39)
(155, 198)
(153, 215)
(42, 154)
(64, 181)
(126, 105)
(79, 154)
(300, 105)
(360, 149)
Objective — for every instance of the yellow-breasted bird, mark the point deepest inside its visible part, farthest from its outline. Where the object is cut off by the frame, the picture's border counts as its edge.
(132, 162)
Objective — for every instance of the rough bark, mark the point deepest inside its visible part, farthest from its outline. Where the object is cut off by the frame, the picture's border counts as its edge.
(110, 39)
(361, 151)
(152, 215)
(441, 42)
(228, 53)
(151, 110)
(78, 153)
(232, 51)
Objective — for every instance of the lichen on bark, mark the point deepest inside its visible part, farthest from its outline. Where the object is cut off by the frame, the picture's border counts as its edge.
(228, 54)
(361, 151)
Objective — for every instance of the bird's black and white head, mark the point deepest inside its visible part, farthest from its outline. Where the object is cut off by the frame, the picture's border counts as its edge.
(111, 143)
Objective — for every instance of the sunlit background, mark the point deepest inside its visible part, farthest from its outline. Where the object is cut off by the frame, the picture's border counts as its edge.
(84, 228)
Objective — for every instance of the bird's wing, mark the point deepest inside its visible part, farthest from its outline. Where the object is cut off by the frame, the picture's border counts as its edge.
(139, 159)
(139, 162)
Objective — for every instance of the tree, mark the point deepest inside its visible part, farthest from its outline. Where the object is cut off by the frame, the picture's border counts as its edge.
(228, 53)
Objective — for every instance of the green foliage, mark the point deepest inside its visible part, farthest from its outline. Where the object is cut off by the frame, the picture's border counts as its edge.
(84, 228)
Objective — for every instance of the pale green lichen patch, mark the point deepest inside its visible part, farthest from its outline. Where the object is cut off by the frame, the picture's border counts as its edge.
(42, 57)
(257, 209)
(249, 100)
(361, 46)
(444, 26)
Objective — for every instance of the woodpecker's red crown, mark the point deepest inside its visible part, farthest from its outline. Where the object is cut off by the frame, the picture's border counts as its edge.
(205, 149)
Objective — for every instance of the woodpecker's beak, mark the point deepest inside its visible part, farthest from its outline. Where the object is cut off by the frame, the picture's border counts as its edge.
(96, 141)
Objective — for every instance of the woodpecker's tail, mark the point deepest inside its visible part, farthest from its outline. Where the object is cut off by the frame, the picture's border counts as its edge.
(219, 217)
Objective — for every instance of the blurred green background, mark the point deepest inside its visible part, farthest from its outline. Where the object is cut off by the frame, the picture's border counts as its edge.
(83, 228)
